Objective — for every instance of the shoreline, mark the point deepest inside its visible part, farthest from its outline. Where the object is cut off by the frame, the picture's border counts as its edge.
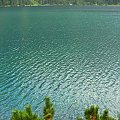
(60, 5)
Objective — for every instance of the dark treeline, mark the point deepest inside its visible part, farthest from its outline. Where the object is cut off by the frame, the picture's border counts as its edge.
(4, 3)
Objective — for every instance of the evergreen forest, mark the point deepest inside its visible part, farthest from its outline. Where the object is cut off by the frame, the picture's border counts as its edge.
(8, 3)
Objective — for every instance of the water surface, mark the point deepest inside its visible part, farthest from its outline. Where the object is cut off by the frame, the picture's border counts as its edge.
(71, 54)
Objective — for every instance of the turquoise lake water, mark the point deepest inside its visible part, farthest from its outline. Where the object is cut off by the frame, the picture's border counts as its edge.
(71, 54)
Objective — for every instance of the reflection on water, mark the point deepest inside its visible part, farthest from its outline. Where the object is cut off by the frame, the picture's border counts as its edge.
(70, 54)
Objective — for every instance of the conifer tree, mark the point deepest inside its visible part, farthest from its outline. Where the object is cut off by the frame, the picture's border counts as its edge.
(48, 109)
(24, 114)
(106, 116)
(92, 113)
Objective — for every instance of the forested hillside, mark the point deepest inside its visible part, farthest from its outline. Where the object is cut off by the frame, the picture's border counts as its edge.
(56, 2)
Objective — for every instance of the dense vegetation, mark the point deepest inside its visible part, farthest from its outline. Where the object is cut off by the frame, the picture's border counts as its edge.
(27, 114)
(91, 113)
(56, 2)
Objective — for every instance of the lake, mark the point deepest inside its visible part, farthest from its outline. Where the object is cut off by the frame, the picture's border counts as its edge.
(71, 54)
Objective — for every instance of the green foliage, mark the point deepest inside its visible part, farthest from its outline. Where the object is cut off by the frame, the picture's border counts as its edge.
(106, 116)
(24, 114)
(48, 109)
(4, 3)
(119, 116)
(27, 114)
(78, 118)
(92, 113)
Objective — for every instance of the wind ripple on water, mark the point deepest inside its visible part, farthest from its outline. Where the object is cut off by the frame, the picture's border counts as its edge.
(76, 62)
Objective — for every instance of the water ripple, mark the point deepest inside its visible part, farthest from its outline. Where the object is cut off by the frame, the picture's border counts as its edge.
(75, 60)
